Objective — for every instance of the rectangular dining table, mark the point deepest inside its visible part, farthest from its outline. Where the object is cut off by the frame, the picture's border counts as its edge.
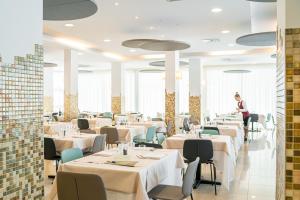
(161, 166)
(224, 153)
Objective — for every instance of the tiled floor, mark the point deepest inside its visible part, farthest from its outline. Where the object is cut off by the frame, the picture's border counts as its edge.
(254, 174)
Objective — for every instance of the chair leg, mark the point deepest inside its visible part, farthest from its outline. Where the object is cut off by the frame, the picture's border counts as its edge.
(215, 178)
(56, 164)
(192, 197)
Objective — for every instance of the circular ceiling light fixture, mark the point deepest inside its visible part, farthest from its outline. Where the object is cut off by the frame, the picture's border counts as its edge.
(49, 64)
(156, 45)
(237, 71)
(258, 39)
(162, 63)
(57, 10)
(264, 1)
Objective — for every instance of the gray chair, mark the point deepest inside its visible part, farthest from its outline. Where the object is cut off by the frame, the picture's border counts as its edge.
(112, 135)
(99, 145)
(84, 127)
(169, 192)
(157, 119)
(80, 187)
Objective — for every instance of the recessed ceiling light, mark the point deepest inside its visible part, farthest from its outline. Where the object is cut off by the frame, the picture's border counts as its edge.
(132, 50)
(116, 4)
(216, 10)
(79, 54)
(151, 27)
(136, 17)
(162, 36)
(210, 40)
(225, 31)
(106, 40)
(69, 25)
(253, 196)
(231, 45)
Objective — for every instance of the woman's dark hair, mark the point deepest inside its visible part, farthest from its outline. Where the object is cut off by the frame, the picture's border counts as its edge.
(237, 94)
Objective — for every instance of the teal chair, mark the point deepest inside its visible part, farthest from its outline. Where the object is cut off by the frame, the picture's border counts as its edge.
(107, 115)
(151, 131)
(210, 132)
(160, 138)
(71, 154)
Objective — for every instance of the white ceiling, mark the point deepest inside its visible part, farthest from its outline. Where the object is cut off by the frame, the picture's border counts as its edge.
(190, 21)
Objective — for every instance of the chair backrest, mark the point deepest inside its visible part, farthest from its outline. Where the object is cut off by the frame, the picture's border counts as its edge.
(99, 143)
(107, 115)
(112, 135)
(194, 148)
(157, 119)
(83, 124)
(150, 134)
(190, 149)
(269, 117)
(186, 125)
(153, 145)
(71, 154)
(211, 132)
(49, 149)
(254, 117)
(189, 178)
(160, 138)
(80, 186)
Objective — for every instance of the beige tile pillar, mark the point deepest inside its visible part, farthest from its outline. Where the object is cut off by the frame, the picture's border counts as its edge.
(195, 69)
(70, 87)
(117, 74)
(172, 64)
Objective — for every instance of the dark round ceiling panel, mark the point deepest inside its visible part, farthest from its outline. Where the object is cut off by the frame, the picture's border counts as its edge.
(258, 39)
(68, 9)
(156, 45)
(163, 63)
(136, 43)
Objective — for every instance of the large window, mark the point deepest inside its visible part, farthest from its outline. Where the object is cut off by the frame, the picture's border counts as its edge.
(183, 87)
(257, 88)
(130, 91)
(94, 91)
(151, 93)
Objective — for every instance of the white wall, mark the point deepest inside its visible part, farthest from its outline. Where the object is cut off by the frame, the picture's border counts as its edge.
(21, 27)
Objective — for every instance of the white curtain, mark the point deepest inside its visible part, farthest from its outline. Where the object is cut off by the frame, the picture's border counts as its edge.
(58, 91)
(94, 91)
(151, 93)
(183, 87)
(257, 88)
(130, 91)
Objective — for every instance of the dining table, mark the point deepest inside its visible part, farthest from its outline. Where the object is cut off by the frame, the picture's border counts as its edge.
(145, 169)
(224, 155)
(147, 124)
(52, 128)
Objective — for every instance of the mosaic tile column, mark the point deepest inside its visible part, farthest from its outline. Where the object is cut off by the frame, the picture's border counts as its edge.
(195, 69)
(71, 87)
(171, 109)
(21, 130)
(117, 75)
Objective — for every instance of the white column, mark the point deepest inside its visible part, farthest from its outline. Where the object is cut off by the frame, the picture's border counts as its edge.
(172, 64)
(195, 72)
(70, 86)
(48, 90)
(136, 91)
(117, 75)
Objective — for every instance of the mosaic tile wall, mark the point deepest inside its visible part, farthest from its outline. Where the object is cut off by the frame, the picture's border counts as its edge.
(21, 132)
(70, 107)
(195, 107)
(116, 105)
(292, 71)
(170, 110)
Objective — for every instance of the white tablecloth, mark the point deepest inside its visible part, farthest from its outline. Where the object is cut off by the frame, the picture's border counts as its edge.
(237, 123)
(224, 153)
(129, 182)
(95, 122)
(81, 141)
(147, 124)
(53, 128)
(237, 134)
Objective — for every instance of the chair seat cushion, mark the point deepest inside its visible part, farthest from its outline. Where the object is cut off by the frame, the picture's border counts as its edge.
(88, 131)
(167, 192)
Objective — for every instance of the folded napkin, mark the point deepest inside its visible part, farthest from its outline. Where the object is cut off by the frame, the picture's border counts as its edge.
(154, 156)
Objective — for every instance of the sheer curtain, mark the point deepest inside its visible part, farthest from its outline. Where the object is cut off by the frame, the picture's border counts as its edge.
(151, 93)
(94, 91)
(257, 88)
(183, 87)
(58, 91)
(130, 91)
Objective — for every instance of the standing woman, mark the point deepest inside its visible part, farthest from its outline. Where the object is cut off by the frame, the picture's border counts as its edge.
(242, 107)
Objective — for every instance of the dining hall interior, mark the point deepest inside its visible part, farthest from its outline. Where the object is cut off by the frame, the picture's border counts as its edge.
(142, 100)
